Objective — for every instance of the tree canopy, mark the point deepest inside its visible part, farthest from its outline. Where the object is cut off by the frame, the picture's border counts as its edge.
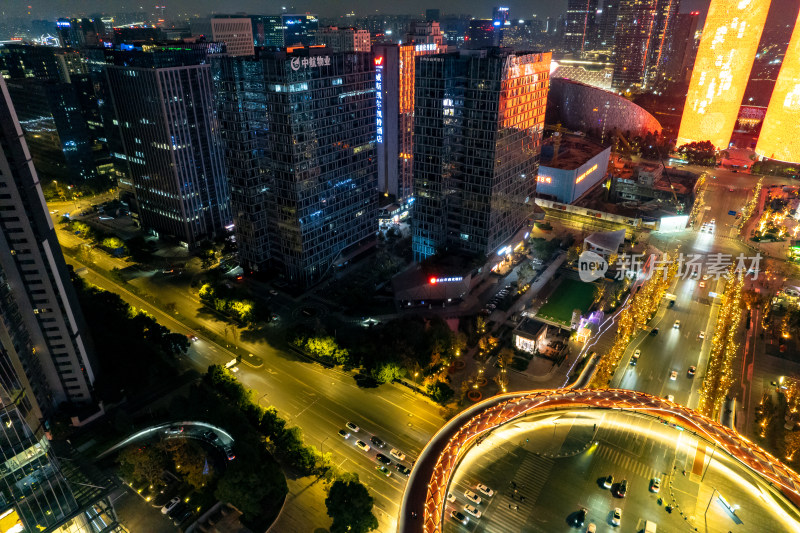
(350, 506)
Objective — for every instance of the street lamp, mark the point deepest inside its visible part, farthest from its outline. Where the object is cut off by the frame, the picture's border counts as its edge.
(415, 379)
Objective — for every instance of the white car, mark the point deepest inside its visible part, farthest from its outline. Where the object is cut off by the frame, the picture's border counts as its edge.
(636, 355)
(352, 427)
(673, 375)
(451, 497)
(170, 505)
(360, 444)
(701, 335)
(485, 490)
(471, 496)
(677, 324)
(472, 510)
(616, 518)
(397, 454)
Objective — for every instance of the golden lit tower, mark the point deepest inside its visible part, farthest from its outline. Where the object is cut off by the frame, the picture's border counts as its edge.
(721, 70)
(780, 133)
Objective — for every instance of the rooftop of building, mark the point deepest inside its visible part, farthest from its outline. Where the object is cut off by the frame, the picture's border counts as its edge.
(608, 240)
(573, 151)
(530, 326)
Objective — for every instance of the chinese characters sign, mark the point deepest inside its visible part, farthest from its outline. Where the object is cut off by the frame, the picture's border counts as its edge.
(310, 62)
(379, 97)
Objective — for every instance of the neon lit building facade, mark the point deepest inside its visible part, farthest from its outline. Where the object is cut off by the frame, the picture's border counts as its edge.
(780, 132)
(727, 48)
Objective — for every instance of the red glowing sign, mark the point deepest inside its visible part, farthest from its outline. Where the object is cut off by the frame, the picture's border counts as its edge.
(433, 280)
(379, 60)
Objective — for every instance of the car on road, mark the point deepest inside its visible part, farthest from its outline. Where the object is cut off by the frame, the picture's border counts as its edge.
(382, 459)
(673, 375)
(352, 427)
(402, 469)
(397, 454)
(692, 370)
(174, 430)
(192, 338)
(170, 505)
(273, 292)
(677, 324)
(730, 189)
(636, 356)
(654, 332)
(378, 443)
(622, 489)
(485, 490)
(451, 497)
(471, 496)
(655, 485)
(459, 516)
(344, 434)
(471, 509)
(210, 435)
(670, 397)
(361, 445)
(229, 453)
(616, 517)
(591, 528)
(608, 482)
(580, 518)
(701, 335)
(702, 284)
(695, 273)
(383, 470)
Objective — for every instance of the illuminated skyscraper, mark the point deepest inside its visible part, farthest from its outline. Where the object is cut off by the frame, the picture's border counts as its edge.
(640, 43)
(721, 70)
(478, 120)
(780, 133)
(580, 32)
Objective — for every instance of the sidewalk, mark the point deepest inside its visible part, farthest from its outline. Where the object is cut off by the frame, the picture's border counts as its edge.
(304, 508)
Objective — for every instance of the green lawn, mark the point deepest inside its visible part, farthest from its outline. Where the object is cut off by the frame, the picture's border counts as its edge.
(569, 295)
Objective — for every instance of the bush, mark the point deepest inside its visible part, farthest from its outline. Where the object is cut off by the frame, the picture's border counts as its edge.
(440, 392)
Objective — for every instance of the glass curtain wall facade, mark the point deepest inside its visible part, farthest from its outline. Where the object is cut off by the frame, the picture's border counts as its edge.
(300, 135)
(172, 143)
(478, 123)
(641, 41)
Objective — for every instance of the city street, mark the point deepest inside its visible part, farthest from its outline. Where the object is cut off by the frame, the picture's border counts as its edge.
(545, 467)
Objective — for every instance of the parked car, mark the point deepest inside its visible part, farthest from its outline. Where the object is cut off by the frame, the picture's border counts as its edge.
(471, 509)
(460, 517)
(170, 505)
(471, 496)
(485, 490)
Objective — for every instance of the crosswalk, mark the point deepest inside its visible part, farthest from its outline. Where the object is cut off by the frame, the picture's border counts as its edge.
(530, 478)
(630, 466)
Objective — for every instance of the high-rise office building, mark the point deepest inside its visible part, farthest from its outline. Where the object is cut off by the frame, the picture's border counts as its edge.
(643, 30)
(299, 30)
(300, 132)
(581, 32)
(478, 120)
(606, 24)
(482, 33)
(267, 30)
(163, 102)
(425, 32)
(235, 32)
(728, 46)
(395, 63)
(780, 132)
(42, 338)
(344, 39)
(45, 363)
(46, 85)
(455, 28)
(680, 50)
(501, 16)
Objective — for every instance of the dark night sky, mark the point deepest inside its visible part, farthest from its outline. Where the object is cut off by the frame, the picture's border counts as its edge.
(477, 8)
